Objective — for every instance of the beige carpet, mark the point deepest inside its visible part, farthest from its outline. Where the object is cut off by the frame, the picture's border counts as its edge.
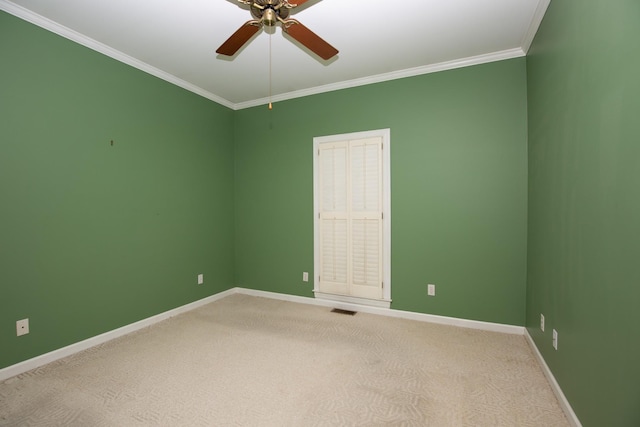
(247, 361)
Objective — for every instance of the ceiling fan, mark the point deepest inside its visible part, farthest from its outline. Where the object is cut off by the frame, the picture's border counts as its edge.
(269, 13)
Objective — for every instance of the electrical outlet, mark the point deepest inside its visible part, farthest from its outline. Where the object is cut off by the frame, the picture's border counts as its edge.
(431, 290)
(542, 322)
(305, 276)
(555, 339)
(22, 327)
(200, 279)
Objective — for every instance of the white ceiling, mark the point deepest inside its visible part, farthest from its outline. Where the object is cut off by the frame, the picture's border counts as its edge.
(378, 40)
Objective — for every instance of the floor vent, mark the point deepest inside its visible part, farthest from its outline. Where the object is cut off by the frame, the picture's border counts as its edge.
(341, 311)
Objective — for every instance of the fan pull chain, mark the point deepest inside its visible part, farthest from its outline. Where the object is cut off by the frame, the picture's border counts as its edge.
(270, 106)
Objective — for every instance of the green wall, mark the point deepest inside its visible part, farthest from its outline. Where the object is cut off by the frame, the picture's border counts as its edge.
(458, 177)
(94, 236)
(584, 204)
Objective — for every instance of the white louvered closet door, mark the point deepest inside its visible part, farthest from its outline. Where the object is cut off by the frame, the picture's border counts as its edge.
(334, 227)
(350, 217)
(366, 217)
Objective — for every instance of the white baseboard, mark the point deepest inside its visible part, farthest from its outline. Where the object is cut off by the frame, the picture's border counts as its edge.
(421, 317)
(27, 365)
(41, 360)
(564, 403)
(44, 359)
(353, 300)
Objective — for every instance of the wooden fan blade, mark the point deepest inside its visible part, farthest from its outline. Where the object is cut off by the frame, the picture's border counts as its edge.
(239, 38)
(298, 2)
(310, 39)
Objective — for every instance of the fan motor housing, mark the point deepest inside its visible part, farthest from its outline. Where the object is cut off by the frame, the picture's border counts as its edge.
(269, 12)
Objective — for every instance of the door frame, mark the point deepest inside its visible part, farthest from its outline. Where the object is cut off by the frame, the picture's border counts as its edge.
(385, 134)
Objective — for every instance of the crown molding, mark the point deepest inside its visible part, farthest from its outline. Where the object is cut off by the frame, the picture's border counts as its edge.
(538, 16)
(83, 40)
(400, 74)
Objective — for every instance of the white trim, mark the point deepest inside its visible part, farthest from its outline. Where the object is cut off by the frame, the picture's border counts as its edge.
(83, 40)
(36, 362)
(27, 365)
(385, 134)
(44, 359)
(353, 300)
(394, 75)
(420, 317)
(564, 403)
(538, 16)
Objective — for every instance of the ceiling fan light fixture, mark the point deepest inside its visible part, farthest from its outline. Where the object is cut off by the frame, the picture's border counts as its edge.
(269, 17)
(267, 14)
